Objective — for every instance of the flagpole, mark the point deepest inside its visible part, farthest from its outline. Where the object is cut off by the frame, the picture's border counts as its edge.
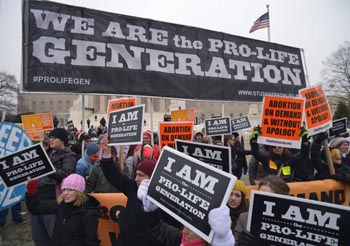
(268, 28)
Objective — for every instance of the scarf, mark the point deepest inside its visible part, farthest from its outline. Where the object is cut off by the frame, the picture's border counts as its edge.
(68, 208)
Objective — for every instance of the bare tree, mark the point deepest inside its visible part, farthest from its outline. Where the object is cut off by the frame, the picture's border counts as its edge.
(336, 73)
(8, 92)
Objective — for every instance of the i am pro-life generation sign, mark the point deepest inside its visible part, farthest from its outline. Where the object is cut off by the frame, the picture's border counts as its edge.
(188, 189)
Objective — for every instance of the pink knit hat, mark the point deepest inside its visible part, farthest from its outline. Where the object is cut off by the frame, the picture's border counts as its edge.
(74, 182)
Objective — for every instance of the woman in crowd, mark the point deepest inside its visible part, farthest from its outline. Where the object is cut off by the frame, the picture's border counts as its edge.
(270, 183)
(76, 213)
(237, 202)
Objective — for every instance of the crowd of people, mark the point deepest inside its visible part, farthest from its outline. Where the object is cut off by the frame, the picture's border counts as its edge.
(63, 212)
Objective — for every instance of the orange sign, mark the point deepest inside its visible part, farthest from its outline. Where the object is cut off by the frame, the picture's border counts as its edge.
(35, 122)
(120, 103)
(169, 131)
(281, 120)
(36, 135)
(183, 115)
(317, 112)
(110, 203)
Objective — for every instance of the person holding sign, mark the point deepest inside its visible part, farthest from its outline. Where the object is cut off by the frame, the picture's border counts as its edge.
(270, 183)
(277, 161)
(64, 161)
(342, 170)
(218, 219)
(132, 220)
(76, 213)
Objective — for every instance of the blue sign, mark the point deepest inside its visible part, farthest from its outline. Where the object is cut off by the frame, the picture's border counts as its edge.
(12, 139)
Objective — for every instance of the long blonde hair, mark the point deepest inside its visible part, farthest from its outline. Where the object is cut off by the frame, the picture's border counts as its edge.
(80, 200)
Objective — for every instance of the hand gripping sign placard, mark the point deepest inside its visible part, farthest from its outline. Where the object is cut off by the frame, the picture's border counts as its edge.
(281, 120)
(26, 164)
(12, 139)
(285, 220)
(188, 189)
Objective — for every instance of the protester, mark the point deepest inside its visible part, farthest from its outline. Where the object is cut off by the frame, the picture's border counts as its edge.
(83, 139)
(86, 163)
(218, 219)
(276, 161)
(342, 170)
(64, 161)
(239, 154)
(237, 202)
(270, 183)
(132, 220)
(76, 213)
(147, 140)
(144, 151)
(198, 137)
(342, 144)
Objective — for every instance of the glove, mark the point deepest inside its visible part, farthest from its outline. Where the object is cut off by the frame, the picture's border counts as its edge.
(256, 132)
(304, 134)
(245, 238)
(142, 191)
(320, 137)
(32, 186)
(220, 222)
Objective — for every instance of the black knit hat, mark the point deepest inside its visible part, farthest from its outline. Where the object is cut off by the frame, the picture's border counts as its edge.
(60, 133)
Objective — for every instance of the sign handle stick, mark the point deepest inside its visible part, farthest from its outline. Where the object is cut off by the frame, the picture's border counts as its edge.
(3, 115)
(328, 157)
(121, 157)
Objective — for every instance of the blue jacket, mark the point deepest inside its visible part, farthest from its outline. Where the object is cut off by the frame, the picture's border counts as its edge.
(84, 166)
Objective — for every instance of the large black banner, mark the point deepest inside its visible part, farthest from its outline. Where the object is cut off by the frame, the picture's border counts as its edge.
(188, 189)
(285, 220)
(74, 49)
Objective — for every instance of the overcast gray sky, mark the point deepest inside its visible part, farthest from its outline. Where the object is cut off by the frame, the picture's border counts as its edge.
(316, 26)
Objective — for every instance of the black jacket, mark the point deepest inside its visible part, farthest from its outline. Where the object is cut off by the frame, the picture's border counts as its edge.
(78, 228)
(272, 163)
(64, 161)
(342, 171)
(132, 221)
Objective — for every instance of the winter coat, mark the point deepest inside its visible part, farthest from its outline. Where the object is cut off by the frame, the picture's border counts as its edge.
(241, 224)
(84, 165)
(78, 228)
(342, 171)
(98, 183)
(256, 170)
(273, 163)
(302, 164)
(64, 161)
(132, 220)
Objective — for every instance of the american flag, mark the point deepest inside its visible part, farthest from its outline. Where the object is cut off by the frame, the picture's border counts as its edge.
(262, 22)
